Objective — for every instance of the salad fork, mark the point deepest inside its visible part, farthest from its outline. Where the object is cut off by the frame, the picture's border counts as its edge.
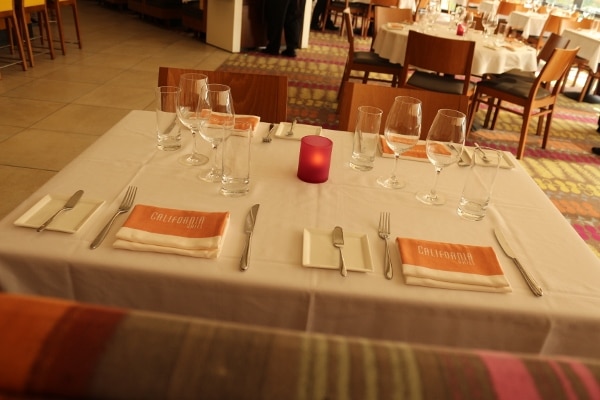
(123, 208)
(384, 233)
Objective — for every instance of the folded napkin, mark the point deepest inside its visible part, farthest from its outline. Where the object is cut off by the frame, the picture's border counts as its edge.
(165, 230)
(395, 25)
(418, 152)
(300, 130)
(451, 266)
(220, 118)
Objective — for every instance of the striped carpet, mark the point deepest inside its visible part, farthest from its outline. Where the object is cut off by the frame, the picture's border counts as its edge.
(566, 171)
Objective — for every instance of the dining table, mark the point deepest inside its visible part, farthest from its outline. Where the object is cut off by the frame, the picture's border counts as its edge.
(293, 279)
(588, 41)
(528, 22)
(490, 56)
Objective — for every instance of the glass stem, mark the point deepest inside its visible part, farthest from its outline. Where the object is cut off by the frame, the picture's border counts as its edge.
(433, 192)
(194, 151)
(215, 161)
(396, 157)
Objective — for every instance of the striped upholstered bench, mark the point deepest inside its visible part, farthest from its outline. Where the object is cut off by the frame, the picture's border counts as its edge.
(53, 348)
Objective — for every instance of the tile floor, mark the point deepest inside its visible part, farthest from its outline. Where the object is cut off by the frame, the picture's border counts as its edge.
(54, 110)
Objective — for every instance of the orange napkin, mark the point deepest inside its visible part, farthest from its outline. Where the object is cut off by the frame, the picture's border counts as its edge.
(418, 152)
(395, 25)
(451, 266)
(220, 118)
(165, 230)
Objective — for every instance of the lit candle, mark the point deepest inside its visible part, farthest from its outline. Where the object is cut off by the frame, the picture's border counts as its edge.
(314, 159)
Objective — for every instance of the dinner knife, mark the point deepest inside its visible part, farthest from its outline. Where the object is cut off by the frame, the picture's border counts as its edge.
(531, 282)
(69, 205)
(248, 228)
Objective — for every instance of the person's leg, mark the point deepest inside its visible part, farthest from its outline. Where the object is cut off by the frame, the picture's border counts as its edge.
(291, 27)
(274, 15)
(318, 11)
(596, 150)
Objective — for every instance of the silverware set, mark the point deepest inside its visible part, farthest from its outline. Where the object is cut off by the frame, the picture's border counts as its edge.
(124, 207)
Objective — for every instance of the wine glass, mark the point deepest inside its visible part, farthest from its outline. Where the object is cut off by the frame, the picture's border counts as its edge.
(192, 91)
(444, 145)
(402, 130)
(490, 22)
(220, 122)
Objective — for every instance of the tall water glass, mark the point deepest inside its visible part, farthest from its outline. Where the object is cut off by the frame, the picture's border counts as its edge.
(235, 180)
(189, 110)
(444, 146)
(402, 130)
(168, 130)
(219, 105)
(366, 138)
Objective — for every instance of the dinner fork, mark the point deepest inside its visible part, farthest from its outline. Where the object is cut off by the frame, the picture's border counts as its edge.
(291, 131)
(123, 208)
(384, 233)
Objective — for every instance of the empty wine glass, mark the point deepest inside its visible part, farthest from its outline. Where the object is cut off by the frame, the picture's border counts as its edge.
(444, 146)
(220, 122)
(402, 130)
(490, 22)
(192, 91)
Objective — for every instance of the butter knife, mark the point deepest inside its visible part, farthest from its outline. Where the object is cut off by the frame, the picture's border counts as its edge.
(248, 228)
(69, 205)
(531, 282)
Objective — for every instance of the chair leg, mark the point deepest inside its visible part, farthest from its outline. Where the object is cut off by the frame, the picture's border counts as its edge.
(61, 33)
(547, 128)
(586, 87)
(524, 129)
(48, 32)
(495, 118)
(76, 21)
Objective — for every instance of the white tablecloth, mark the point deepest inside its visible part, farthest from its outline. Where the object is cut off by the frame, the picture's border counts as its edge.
(530, 23)
(277, 290)
(589, 45)
(488, 6)
(391, 44)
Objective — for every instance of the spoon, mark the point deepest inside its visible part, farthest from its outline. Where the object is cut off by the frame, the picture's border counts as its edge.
(483, 156)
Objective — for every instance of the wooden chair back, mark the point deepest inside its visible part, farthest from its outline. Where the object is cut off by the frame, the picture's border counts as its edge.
(506, 7)
(383, 15)
(555, 70)
(254, 94)
(585, 23)
(554, 41)
(359, 94)
(442, 55)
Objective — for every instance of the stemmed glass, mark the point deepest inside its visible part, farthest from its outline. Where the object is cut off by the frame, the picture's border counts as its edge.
(402, 130)
(490, 22)
(221, 118)
(444, 145)
(192, 91)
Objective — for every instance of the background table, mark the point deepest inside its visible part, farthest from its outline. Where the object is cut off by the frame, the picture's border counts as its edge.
(589, 45)
(277, 290)
(390, 43)
(530, 23)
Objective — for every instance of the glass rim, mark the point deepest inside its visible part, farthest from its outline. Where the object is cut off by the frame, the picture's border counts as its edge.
(370, 110)
(448, 112)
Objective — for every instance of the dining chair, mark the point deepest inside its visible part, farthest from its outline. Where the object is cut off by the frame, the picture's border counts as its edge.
(383, 15)
(536, 98)
(9, 16)
(370, 14)
(38, 8)
(254, 94)
(55, 6)
(366, 62)
(554, 41)
(553, 24)
(438, 64)
(358, 94)
(335, 8)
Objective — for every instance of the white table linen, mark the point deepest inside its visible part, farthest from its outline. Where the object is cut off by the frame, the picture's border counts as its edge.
(488, 6)
(530, 23)
(588, 42)
(487, 58)
(277, 290)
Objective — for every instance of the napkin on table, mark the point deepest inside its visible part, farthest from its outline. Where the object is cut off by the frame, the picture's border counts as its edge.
(220, 118)
(451, 266)
(418, 152)
(166, 230)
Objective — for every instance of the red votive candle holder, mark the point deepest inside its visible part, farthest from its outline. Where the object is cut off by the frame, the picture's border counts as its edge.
(314, 159)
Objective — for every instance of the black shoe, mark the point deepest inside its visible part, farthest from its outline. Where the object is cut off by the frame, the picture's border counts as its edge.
(315, 27)
(289, 53)
(596, 150)
(270, 52)
(330, 26)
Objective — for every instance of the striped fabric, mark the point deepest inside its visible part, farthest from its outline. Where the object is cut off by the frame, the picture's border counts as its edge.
(69, 350)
